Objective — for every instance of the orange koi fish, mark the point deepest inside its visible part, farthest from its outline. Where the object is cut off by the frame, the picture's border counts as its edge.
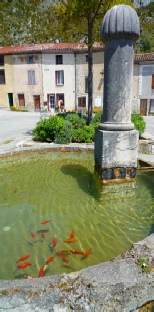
(70, 240)
(23, 258)
(54, 242)
(14, 191)
(72, 234)
(43, 235)
(49, 260)
(64, 259)
(23, 265)
(41, 272)
(32, 234)
(86, 254)
(76, 252)
(61, 252)
(46, 221)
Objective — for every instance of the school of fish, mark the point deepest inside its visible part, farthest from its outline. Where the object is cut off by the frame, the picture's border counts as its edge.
(59, 253)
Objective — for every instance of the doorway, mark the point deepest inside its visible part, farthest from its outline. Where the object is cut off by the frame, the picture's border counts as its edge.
(37, 102)
(51, 102)
(143, 107)
(10, 99)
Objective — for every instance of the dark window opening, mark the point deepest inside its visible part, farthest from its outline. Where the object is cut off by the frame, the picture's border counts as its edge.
(82, 101)
(86, 84)
(30, 60)
(2, 60)
(59, 59)
(2, 76)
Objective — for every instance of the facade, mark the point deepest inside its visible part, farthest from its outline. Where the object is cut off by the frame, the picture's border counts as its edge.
(145, 65)
(6, 81)
(54, 77)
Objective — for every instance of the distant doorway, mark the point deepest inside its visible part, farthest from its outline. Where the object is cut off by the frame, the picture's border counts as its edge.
(10, 99)
(51, 102)
(37, 102)
(143, 107)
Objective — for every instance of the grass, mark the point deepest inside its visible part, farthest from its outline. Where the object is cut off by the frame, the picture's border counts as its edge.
(7, 141)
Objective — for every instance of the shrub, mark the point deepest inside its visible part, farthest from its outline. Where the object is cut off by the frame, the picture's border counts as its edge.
(15, 108)
(138, 121)
(97, 119)
(63, 136)
(84, 134)
(47, 129)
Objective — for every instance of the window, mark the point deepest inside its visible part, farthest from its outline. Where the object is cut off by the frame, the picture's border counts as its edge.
(59, 59)
(86, 84)
(2, 76)
(21, 99)
(59, 77)
(31, 77)
(151, 106)
(152, 82)
(1, 60)
(82, 101)
(87, 58)
(30, 60)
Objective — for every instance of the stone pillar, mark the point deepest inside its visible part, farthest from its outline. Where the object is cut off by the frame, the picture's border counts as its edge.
(116, 143)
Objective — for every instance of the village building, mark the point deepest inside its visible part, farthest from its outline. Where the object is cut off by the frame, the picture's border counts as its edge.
(54, 77)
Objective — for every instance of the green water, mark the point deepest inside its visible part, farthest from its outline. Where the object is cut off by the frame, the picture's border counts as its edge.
(62, 187)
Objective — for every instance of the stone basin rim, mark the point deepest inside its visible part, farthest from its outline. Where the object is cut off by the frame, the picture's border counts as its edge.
(143, 284)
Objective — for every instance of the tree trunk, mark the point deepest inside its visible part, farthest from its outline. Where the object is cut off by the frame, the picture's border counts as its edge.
(90, 73)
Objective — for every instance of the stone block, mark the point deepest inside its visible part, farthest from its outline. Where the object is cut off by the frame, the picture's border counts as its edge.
(114, 149)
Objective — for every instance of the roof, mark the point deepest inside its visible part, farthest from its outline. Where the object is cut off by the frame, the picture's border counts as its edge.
(144, 57)
(48, 47)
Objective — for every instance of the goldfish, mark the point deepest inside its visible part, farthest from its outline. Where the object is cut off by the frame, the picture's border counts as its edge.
(46, 221)
(61, 252)
(32, 234)
(41, 272)
(23, 258)
(49, 260)
(76, 252)
(14, 191)
(54, 242)
(43, 235)
(64, 259)
(23, 265)
(72, 234)
(70, 240)
(86, 254)
(43, 231)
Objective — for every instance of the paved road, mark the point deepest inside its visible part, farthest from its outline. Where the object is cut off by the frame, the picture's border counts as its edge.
(15, 126)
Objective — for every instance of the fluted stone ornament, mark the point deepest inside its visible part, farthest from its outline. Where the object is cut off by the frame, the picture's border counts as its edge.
(119, 29)
(116, 141)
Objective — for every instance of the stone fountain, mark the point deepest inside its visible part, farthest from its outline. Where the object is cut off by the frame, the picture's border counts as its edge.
(116, 143)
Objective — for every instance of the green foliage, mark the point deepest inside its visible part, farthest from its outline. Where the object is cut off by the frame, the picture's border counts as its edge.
(97, 119)
(47, 129)
(83, 135)
(138, 121)
(63, 136)
(143, 264)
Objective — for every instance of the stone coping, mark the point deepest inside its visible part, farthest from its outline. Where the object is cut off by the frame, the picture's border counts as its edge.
(117, 285)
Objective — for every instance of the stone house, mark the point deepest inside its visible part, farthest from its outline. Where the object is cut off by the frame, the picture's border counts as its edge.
(144, 78)
(45, 76)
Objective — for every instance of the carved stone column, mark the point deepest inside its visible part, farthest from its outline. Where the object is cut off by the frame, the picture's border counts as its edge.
(116, 143)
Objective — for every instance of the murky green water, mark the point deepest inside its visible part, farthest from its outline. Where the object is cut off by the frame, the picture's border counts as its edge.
(62, 187)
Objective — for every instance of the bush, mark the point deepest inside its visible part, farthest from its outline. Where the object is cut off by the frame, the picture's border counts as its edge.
(15, 108)
(83, 135)
(47, 129)
(97, 119)
(138, 121)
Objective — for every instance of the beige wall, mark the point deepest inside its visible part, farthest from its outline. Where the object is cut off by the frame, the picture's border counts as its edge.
(135, 85)
(20, 78)
(8, 86)
(82, 72)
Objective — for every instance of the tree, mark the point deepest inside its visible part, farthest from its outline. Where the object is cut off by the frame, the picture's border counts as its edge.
(80, 20)
(146, 17)
(25, 21)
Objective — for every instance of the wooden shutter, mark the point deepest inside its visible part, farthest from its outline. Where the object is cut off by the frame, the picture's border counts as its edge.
(152, 82)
